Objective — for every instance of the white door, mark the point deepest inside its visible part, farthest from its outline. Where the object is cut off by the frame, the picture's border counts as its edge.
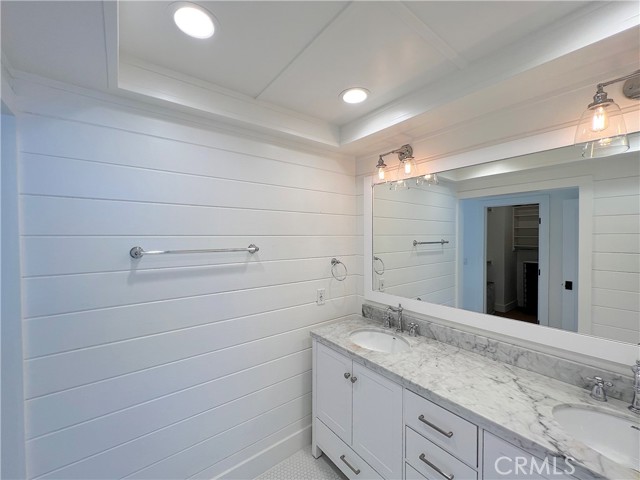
(377, 421)
(570, 265)
(333, 387)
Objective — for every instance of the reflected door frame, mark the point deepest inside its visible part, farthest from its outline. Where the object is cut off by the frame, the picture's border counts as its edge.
(478, 250)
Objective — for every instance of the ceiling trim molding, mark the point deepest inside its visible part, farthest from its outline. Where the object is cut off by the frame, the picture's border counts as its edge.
(111, 35)
(527, 145)
(196, 95)
(7, 93)
(549, 44)
(29, 87)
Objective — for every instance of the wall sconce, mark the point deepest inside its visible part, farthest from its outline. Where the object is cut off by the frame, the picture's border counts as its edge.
(406, 167)
(381, 166)
(601, 129)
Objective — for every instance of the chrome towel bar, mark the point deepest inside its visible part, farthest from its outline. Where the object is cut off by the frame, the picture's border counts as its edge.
(441, 242)
(138, 252)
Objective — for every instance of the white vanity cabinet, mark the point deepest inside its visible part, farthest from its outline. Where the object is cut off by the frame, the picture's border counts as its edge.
(370, 427)
(357, 416)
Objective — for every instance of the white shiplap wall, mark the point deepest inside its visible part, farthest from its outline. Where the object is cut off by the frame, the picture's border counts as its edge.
(616, 250)
(423, 213)
(170, 366)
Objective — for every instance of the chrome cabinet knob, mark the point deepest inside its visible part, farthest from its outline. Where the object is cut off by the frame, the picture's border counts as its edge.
(347, 375)
(354, 379)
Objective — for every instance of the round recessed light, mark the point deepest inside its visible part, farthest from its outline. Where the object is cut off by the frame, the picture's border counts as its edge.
(193, 20)
(355, 95)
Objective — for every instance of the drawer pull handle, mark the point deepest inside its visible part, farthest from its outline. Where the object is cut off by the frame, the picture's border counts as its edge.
(424, 459)
(347, 375)
(435, 427)
(354, 470)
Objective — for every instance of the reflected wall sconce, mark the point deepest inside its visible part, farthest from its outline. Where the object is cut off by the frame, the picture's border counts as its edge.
(601, 130)
(428, 179)
(406, 167)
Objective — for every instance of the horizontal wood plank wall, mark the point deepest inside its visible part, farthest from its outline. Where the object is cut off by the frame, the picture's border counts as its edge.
(180, 365)
(616, 250)
(426, 214)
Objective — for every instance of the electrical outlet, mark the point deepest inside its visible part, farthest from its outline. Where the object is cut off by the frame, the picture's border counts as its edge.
(320, 296)
(381, 284)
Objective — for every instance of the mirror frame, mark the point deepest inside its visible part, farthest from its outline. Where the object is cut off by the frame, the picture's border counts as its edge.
(583, 344)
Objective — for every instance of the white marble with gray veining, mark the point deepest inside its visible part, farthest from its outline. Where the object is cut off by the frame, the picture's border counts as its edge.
(511, 402)
(546, 364)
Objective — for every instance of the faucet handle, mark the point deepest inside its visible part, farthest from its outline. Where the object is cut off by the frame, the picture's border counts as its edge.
(413, 329)
(387, 322)
(600, 382)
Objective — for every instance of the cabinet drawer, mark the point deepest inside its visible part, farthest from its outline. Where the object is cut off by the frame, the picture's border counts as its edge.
(454, 434)
(342, 455)
(501, 461)
(412, 474)
(433, 462)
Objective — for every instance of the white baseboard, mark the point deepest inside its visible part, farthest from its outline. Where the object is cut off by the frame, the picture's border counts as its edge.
(269, 457)
(507, 307)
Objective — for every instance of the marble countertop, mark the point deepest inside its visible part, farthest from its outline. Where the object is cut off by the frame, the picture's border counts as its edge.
(515, 404)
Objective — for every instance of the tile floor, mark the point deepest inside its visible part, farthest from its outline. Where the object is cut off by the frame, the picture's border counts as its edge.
(302, 466)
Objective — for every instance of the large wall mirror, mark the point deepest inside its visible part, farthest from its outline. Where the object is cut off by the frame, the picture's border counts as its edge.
(545, 240)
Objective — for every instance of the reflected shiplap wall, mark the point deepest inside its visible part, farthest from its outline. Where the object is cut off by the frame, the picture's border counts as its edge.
(616, 239)
(171, 366)
(616, 250)
(426, 214)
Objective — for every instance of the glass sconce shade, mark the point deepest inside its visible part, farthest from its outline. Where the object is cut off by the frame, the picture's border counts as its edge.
(407, 168)
(381, 166)
(602, 130)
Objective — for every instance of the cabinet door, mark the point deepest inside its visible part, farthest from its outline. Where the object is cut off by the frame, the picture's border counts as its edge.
(377, 421)
(333, 391)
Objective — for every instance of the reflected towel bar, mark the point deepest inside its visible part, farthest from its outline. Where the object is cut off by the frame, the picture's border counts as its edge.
(441, 242)
(138, 252)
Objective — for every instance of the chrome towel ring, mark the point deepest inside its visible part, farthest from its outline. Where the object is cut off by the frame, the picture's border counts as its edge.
(334, 263)
(378, 259)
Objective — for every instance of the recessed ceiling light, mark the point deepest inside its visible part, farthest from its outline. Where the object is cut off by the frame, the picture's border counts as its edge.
(193, 20)
(355, 95)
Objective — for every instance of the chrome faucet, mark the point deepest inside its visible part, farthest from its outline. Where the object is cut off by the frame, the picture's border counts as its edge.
(598, 391)
(397, 310)
(635, 403)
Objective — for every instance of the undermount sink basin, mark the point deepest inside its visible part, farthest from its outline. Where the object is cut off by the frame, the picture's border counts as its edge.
(617, 438)
(379, 341)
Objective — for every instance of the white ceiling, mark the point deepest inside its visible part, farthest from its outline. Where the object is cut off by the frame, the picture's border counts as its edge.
(434, 69)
